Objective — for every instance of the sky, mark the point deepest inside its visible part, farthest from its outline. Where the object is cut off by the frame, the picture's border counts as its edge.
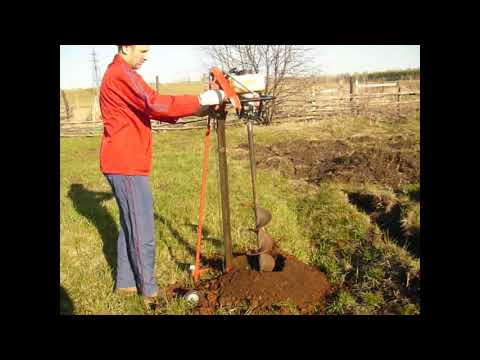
(174, 63)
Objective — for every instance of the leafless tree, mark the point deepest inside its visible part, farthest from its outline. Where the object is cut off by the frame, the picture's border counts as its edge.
(281, 64)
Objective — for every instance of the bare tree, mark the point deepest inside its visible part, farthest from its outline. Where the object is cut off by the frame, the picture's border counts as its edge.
(279, 63)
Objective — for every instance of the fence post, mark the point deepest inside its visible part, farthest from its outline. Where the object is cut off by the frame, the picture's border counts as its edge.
(67, 106)
(398, 99)
(351, 94)
(314, 108)
(157, 84)
(77, 104)
(94, 108)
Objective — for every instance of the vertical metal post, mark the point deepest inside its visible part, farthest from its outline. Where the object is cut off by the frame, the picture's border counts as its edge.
(253, 170)
(223, 172)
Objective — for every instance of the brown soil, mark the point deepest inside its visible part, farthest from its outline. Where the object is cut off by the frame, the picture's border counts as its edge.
(292, 287)
(362, 159)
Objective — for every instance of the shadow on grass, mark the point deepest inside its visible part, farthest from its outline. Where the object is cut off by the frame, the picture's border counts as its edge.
(216, 264)
(389, 222)
(206, 235)
(89, 204)
(66, 304)
(414, 195)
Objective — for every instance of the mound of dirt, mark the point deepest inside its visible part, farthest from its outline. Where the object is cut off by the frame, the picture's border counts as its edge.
(360, 160)
(292, 281)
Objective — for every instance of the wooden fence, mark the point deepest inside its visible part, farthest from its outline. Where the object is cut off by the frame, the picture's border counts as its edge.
(388, 99)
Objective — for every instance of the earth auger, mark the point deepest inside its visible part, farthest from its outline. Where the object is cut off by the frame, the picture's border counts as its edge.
(243, 91)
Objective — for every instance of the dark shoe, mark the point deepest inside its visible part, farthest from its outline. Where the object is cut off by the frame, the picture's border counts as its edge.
(152, 302)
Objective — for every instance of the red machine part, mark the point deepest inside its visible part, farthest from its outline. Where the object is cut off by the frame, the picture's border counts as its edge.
(220, 82)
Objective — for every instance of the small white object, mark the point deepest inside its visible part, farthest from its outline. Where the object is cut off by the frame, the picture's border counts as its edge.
(191, 268)
(192, 296)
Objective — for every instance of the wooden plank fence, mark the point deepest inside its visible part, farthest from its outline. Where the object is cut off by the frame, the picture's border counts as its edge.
(311, 102)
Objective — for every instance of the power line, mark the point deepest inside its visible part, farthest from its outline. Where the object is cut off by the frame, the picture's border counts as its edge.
(95, 71)
(96, 83)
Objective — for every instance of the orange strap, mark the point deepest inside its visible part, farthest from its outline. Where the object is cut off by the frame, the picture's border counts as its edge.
(196, 272)
(217, 80)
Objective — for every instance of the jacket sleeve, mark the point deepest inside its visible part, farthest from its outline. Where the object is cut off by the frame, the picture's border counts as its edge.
(138, 94)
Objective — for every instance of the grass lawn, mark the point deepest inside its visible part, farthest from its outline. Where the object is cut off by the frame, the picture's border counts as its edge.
(318, 224)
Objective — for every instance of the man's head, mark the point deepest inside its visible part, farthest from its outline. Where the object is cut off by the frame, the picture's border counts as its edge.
(134, 55)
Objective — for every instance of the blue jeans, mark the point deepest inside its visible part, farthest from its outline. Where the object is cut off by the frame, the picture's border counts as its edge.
(136, 241)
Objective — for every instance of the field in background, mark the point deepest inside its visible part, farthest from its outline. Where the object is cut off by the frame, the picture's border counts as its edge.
(83, 98)
(362, 232)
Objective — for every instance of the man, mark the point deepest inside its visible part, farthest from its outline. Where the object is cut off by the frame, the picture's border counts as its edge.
(128, 104)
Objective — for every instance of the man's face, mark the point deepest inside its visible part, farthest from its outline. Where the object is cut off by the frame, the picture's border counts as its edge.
(135, 55)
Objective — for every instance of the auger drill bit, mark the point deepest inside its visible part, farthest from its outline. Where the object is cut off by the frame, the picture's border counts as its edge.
(262, 216)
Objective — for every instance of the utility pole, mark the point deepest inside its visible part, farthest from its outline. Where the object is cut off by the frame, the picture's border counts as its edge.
(96, 83)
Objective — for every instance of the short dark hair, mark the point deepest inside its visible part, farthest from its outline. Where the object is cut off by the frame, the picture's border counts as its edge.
(120, 47)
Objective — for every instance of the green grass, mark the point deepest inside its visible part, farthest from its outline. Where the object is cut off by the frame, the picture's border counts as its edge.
(317, 225)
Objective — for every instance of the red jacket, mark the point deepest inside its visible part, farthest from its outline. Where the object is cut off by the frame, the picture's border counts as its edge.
(127, 104)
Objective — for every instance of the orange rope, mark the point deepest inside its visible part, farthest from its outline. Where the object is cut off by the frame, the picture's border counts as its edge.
(196, 272)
